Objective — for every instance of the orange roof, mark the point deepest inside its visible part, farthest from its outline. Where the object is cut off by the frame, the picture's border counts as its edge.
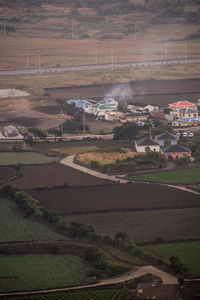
(182, 104)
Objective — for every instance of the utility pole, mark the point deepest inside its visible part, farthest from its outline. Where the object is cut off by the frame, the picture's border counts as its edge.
(112, 59)
(135, 32)
(83, 122)
(96, 53)
(185, 50)
(39, 62)
(27, 57)
(72, 30)
(166, 49)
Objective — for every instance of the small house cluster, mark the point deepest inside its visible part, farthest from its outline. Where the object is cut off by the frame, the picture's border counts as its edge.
(159, 145)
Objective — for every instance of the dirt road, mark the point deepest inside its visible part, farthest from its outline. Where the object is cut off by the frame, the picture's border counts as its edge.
(68, 161)
(166, 278)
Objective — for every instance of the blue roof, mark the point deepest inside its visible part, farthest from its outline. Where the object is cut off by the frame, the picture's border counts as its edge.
(106, 101)
(78, 102)
(195, 119)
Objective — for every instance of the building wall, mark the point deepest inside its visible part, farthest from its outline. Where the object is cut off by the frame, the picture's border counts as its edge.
(142, 149)
(162, 142)
(175, 155)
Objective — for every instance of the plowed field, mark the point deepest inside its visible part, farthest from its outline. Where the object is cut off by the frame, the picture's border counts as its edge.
(114, 197)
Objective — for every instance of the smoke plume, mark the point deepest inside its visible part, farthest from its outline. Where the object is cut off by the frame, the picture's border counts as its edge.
(120, 92)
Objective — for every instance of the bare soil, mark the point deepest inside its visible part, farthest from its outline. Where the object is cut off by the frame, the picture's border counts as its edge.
(151, 91)
(114, 198)
(55, 174)
(6, 172)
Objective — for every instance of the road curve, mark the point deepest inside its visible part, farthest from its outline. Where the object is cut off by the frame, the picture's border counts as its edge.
(69, 161)
(166, 279)
(116, 66)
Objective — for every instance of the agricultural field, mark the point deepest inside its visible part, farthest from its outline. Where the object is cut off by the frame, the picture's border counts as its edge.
(6, 172)
(31, 272)
(51, 175)
(25, 158)
(16, 227)
(188, 254)
(117, 197)
(184, 176)
(86, 295)
(145, 226)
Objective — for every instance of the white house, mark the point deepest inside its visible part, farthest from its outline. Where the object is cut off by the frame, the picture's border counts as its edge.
(143, 144)
(166, 136)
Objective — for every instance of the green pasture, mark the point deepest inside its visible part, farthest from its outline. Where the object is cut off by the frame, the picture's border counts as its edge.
(184, 176)
(25, 158)
(30, 272)
(145, 226)
(188, 254)
(82, 295)
(16, 227)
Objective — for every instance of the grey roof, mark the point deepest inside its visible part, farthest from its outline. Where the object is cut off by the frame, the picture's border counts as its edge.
(147, 142)
(176, 148)
(166, 136)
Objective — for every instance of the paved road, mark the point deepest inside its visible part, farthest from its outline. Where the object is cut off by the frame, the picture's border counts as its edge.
(166, 278)
(116, 66)
(69, 161)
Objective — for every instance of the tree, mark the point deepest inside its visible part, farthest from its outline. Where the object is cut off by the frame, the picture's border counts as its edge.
(126, 132)
(37, 133)
(55, 132)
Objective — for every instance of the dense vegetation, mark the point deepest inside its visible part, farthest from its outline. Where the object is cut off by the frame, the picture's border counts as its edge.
(25, 158)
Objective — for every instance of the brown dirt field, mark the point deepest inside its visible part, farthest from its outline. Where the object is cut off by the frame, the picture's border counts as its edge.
(55, 174)
(114, 198)
(151, 91)
(6, 172)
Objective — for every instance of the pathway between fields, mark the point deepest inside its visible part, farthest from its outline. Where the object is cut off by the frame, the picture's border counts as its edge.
(166, 278)
(69, 161)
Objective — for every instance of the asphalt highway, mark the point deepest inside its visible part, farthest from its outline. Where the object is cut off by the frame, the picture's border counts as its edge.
(114, 66)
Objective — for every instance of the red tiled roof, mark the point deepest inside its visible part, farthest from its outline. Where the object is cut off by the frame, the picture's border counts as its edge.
(182, 104)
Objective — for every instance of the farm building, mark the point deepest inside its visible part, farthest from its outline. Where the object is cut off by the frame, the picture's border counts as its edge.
(99, 109)
(12, 93)
(184, 112)
(133, 117)
(11, 131)
(79, 103)
(143, 144)
(184, 122)
(182, 104)
(109, 101)
(166, 136)
(175, 151)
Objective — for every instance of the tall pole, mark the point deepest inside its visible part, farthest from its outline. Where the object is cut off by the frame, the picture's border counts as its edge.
(166, 49)
(185, 50)
(135, 32)
(96, 53)
(39, 62)
(83, 122)
(112, 59)
(27, 57)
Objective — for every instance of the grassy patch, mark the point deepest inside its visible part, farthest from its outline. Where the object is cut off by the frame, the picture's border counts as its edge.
(188, 254)
(15, 227)
(25, 158)
(31, 272)
(185, 176)
(96, 294)
(146, 226)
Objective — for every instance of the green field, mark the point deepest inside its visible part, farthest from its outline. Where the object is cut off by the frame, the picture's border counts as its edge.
(188, 254)
(83, 295)
(146, 226)
(30, 272)
(25, 158)
(185, 176)
(15, 227)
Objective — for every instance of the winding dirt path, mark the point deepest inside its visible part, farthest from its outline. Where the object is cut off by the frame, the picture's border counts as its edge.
(69, 161)
(166, 278)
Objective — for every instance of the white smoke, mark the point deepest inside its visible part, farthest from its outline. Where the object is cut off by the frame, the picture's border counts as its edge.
(120, 92)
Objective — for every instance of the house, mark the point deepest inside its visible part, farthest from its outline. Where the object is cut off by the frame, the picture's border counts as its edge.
(146, 143)
(133, 117)
(175, 151)
(11, 131)
(184, 112)
(186, 122)
(166, 136)
(182, 104)
(79, 103)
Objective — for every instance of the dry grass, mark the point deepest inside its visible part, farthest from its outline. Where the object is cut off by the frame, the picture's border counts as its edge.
(75, 150)
(103, 158)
